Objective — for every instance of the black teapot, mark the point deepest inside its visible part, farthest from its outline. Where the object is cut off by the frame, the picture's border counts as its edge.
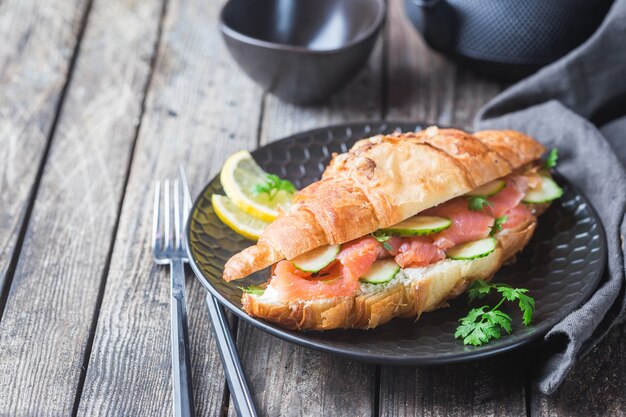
(506, 39)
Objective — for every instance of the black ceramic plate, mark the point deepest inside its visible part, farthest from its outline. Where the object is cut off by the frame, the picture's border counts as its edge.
(561, 266)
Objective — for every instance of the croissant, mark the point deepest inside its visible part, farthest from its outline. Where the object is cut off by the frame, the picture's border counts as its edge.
(382, 181)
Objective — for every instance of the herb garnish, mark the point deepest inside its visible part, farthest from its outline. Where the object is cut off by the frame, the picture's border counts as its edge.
(481, 325)
(497, 225)
(253, 289)
(553, 156)
(478, 202)
(272, 185)
(383, 237)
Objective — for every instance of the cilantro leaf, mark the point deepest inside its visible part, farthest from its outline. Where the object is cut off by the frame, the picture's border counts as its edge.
(478, 289)
(473, 314)
(552, 158)
(526, 303)
(509, 293)
(273, 185)
(480, 326)
(478, 202)
(383, 237)
(499, 318)
(497, 225)
(253, 289)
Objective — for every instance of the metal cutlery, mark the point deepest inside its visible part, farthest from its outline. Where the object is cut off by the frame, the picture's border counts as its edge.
(237, 384)
(169, 218)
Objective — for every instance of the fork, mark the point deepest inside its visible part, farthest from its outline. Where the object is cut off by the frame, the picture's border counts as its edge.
(235, 377)
(168, 248)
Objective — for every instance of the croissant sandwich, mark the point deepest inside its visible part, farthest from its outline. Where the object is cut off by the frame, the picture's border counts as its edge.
(397, 226)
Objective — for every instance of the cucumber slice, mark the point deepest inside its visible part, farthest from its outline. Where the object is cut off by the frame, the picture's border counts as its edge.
(489, 189)
(317, 259)
(547, 190)
(473, 250)
(381, 271)
(419, 226)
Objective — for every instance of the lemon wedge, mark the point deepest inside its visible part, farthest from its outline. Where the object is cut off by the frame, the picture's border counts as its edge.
(239, 177)
(238, 220)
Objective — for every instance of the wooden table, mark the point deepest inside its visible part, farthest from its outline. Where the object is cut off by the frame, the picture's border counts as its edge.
(98, 98)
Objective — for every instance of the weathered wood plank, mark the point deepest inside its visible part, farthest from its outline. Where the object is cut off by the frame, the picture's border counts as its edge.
(424, 86)
(196, 113)
(595, 387)
(38, 42)
(289, 380)
(485, 388)
(48, 319)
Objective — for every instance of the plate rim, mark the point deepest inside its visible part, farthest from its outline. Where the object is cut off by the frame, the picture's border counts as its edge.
(466, 356)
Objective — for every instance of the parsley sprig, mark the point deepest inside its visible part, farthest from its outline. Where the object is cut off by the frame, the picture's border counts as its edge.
(273, 185)
(552, 158)
(480, 326)
(483, 324)
(497, 225)
(478, 202)
(383, 237)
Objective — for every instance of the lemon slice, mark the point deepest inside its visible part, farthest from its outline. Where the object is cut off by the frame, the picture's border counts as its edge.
(238, 220)
(239, 177)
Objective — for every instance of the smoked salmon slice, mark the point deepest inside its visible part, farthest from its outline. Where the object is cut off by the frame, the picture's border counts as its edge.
(418, 251)
(509, 197)
(338, 279)
(516, 216)
(467, 225)
(358, 256)
(290, 284)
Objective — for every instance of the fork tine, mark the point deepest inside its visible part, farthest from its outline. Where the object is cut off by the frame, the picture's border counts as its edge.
(167, 233)
(156, 215)
(177, 214)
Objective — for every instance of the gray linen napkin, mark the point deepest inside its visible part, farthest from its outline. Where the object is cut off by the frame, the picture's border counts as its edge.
(578, 104)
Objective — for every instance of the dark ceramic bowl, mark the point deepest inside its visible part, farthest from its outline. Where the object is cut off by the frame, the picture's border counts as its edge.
(301, 50)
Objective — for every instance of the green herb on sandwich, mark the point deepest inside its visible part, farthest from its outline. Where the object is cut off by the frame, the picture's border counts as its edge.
(478, 202)
(552, 158)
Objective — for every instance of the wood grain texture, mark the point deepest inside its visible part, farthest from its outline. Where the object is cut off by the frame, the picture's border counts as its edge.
(485, 388)
(425, 86)
(196, 113)
(595, 387)
(48, 317)
(286, 379)
(38, 42)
